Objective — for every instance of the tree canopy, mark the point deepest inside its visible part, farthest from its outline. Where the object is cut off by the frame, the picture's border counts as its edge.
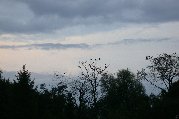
(124, 95)
(95, 93)
(163, 69)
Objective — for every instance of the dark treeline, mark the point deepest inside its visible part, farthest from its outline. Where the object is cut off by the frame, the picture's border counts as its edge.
(95, 93)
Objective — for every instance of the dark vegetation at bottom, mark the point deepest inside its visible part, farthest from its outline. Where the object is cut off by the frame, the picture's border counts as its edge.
(94, 95)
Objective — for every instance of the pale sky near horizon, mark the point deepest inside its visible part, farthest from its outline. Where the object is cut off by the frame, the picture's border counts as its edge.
(53, 35)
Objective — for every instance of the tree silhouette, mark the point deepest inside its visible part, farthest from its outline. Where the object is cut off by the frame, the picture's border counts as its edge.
(166, 105)
(24, 80)
(0, 74)
(94, 94)
(80, 89)
(125, 96)
(5, 96)
(163, 69)
(25, 95)
(91, 73)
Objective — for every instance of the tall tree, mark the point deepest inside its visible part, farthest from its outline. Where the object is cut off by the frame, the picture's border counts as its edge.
(91, 72)
(125, 96)
(0, 74)
(24, 80)
(25, 95)
(163, 69)
(5, 96)
(81, 90)
(165, 106)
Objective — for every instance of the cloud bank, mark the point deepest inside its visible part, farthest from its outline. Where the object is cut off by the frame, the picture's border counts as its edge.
(59, 46)
(43, 16)
(45, 46)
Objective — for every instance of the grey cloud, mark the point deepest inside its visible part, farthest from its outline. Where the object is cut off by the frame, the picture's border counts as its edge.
(34, 16)
(50, 46)
(59, 46)
(161, 10)
(113, 9)
(45, 46)
(133, 41)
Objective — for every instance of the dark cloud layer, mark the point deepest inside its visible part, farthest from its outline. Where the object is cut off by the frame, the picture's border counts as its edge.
(59, 46)
(134, 41)
(45, 46)
(34, 16)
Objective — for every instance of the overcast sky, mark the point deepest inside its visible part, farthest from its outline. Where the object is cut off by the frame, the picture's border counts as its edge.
(53, 35)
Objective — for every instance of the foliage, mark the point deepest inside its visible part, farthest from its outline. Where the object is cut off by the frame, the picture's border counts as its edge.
(166, 106)
(91, 73)
(24, 80)
(163, 69)
(95, 94)
(125, 96)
